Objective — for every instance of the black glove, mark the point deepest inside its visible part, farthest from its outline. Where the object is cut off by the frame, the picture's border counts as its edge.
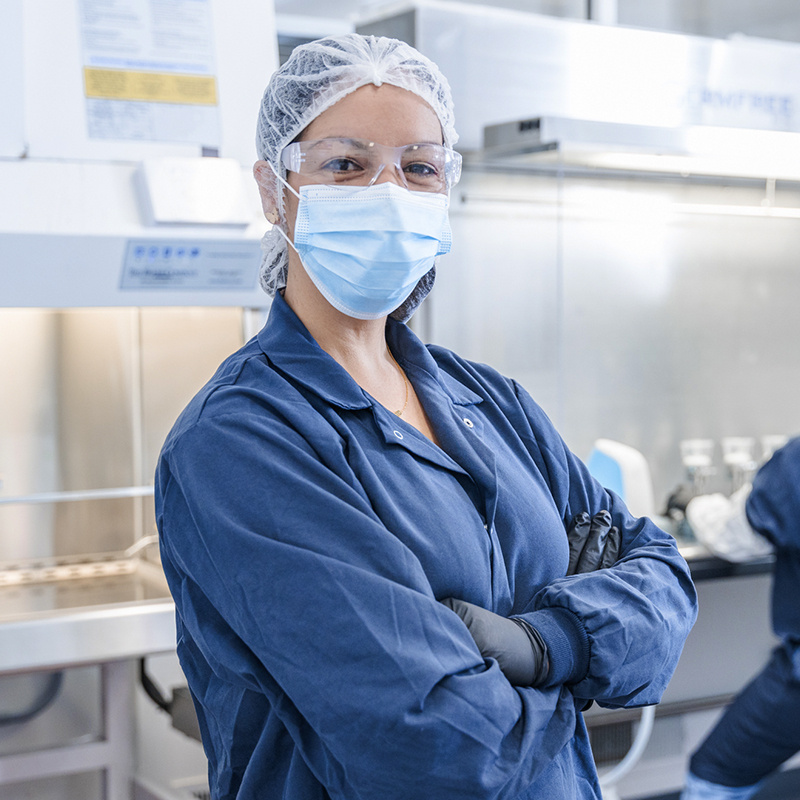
(593, 543)
(677, 502)
(517, 646)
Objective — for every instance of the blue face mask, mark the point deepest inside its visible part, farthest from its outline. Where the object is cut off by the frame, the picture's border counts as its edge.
(366, 247)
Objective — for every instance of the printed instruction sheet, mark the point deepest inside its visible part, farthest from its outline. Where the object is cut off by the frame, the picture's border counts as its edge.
(148, 70)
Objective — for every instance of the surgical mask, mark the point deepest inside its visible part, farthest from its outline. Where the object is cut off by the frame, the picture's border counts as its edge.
(366, 247)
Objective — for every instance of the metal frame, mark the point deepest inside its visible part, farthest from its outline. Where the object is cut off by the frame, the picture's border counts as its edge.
(113, 753)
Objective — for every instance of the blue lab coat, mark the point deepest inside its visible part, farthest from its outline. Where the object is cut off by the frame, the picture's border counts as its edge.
(308, 534)
(761, 728)
(773, 510)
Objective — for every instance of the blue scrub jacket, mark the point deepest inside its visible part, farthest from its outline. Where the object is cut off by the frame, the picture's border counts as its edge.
(761, 728)
(773, 510)
(307, 535)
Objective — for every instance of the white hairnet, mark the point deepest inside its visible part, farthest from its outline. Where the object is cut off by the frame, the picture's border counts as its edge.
(316, 76)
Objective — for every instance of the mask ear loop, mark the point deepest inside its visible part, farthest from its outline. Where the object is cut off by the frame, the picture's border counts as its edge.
(283, 181)
(278, 226)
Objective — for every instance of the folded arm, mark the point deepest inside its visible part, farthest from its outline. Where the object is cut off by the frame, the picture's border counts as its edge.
(613, 634)
(312, 602)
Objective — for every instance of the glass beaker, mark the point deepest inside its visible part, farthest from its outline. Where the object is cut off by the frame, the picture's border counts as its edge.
(697, 457)
(737, 454)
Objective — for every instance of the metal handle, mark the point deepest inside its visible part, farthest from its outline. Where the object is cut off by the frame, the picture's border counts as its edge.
(83, 494)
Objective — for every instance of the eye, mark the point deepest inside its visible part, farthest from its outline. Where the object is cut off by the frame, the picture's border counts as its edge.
(421, 169)
(423, 165)
(342, 164)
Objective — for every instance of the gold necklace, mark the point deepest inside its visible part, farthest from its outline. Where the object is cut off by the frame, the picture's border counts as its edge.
(405, 381)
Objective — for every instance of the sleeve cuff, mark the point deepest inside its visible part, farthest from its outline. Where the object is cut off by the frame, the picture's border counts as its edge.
(567, 644)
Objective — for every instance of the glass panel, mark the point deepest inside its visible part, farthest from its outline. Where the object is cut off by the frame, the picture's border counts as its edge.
(633, 308)
(679, 317)
(496, 298)
(88, 399)
(66, 424)
(181, 349)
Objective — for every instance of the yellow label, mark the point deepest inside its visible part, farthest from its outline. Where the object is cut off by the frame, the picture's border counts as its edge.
(152, 87)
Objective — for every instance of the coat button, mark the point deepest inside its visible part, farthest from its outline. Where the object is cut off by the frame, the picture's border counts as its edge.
(398, 434)
(468, 422)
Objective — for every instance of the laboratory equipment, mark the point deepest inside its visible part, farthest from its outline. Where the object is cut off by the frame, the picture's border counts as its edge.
(624, 471)
(738, 456)
(697, 457)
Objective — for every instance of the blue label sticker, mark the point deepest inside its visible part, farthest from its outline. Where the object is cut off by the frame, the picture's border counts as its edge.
(191, 265)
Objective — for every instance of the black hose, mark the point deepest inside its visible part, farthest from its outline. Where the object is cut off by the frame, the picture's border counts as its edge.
(153, 692)
(51, 690)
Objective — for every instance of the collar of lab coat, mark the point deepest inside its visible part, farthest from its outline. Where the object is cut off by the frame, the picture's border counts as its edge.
(292, 349)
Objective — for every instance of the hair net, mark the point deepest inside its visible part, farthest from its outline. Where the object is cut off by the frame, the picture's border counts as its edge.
(316, 76)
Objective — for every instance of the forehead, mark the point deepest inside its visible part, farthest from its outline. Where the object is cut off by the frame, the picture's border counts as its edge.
(386, 114)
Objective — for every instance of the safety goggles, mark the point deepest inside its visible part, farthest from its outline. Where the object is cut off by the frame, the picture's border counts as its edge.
(357, 162)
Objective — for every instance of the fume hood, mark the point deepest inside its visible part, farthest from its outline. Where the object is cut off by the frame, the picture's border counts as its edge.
(129, 256)
(694, 150)
(166, 231)
(530, 89)
(126, 153)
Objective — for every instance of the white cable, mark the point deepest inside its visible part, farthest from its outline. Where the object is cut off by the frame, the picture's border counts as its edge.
(613, 776)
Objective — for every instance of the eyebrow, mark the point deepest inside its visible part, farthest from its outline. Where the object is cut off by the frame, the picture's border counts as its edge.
(362, 144)
(357, 143)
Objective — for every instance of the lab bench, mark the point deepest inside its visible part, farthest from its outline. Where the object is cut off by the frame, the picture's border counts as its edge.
(109, 620)
(124, 613)
(729, 643)
(705, 566)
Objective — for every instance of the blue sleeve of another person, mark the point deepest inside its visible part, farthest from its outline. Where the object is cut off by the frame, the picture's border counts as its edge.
(773, 510)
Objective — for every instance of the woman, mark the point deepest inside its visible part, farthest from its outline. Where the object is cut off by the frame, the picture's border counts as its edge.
(338, 490)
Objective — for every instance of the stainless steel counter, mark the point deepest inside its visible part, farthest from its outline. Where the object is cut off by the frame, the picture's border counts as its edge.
(706, 566)
(90, 620)
(703, 564)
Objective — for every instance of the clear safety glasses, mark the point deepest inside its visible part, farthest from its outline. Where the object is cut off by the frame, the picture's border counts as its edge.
(356, 162)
